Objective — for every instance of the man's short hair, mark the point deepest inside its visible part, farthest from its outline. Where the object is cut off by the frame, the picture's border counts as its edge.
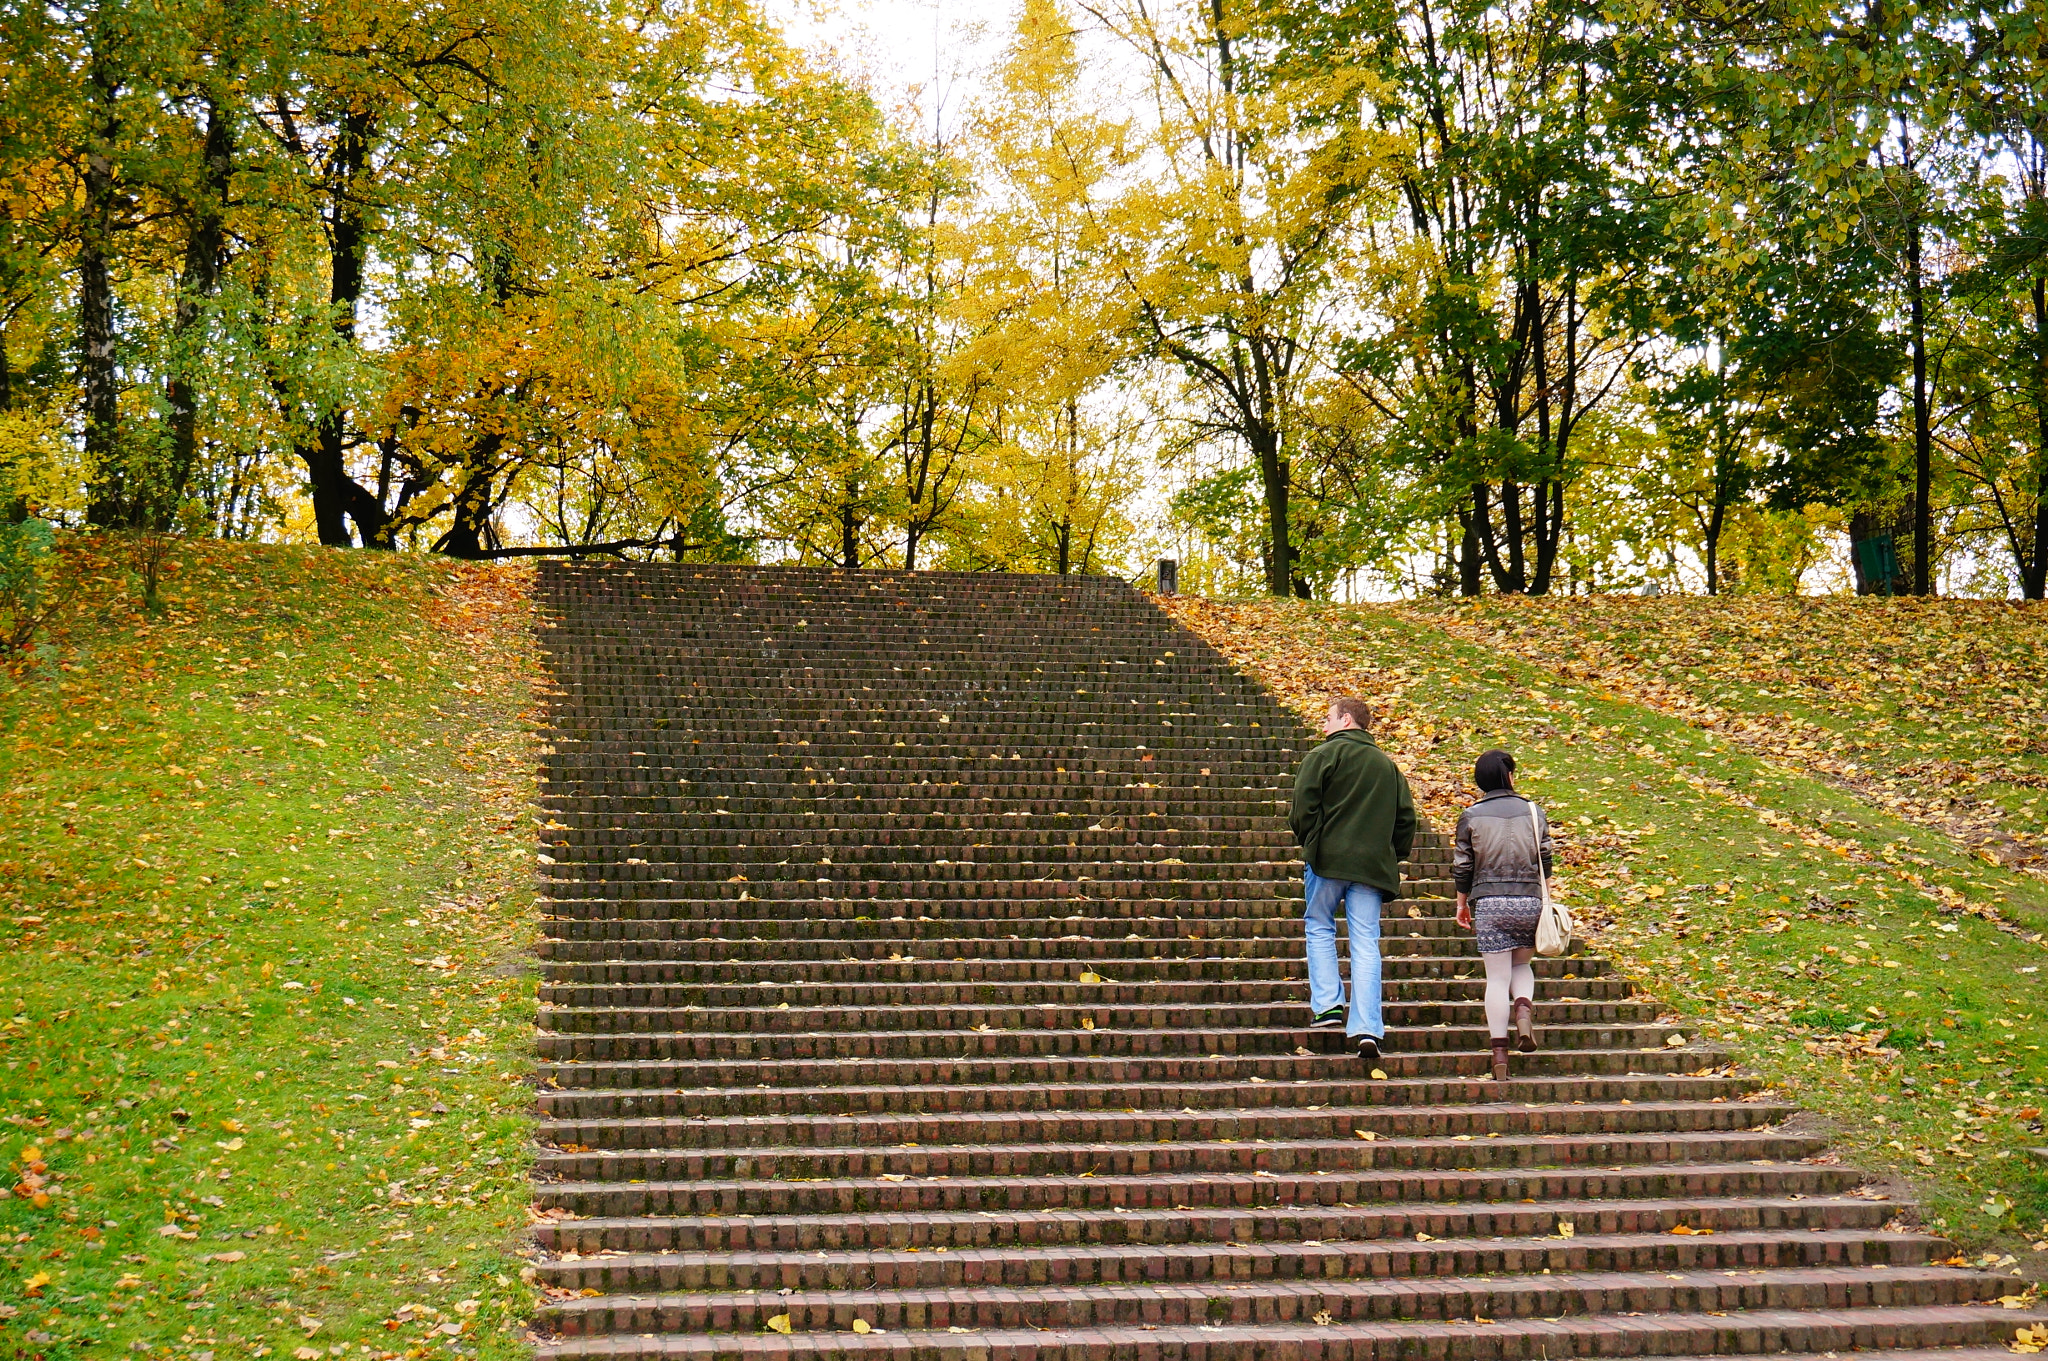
(1345, 706)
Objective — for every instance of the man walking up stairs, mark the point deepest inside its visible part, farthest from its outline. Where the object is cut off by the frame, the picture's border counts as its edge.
(924, 981)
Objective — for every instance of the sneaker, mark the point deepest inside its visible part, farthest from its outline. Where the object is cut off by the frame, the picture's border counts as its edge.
(1368, 1048)
(1328, 1020)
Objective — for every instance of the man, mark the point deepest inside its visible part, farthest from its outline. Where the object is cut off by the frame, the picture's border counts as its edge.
(1355, 820)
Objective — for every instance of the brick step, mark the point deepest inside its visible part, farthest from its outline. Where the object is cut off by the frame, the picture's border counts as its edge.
(1221, 1159)
(688, 817)
(1230, 777)
(1335, 1089)
(928, 992)
(1130, 887)
(1005, 834)
(1070, 854)
(803, 803)
(1028, 719)
(1154, 1128)
(599, 961)
(931, 966)
(869, 876)
(1410, 975)
(632, 1076)
(768, 1018)
(1598, 1111)
(640, 1184)
(1276, 1224)
(936, 800)
(743, 658)
(1967, 1333)
(1119, 1122)
(1217, 1161)
(1051, 1287)
(1273, 916)
(1045, 743)
(921, 929)
(839, 1046)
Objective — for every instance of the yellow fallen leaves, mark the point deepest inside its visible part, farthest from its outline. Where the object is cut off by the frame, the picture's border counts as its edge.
(1090, 976)
(1566, 1229)
(1686, 1230)
(33, 1286)
(1379, 1074)
(779, 1324)
(2030, 1339)
(1366, 1134)
(1323, 1318)
(861, 1325)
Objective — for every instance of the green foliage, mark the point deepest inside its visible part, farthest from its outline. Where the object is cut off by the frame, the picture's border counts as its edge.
(1544, 296)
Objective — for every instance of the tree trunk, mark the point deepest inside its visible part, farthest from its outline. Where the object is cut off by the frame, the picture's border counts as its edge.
(337, 497)
(849, 535)
(466, 536)
(2034, 573)
(108, 503)
(204, 241)
(1274, 479)
(1713, 554)
(1923, 435)
(1468, 556)
(1549, 503)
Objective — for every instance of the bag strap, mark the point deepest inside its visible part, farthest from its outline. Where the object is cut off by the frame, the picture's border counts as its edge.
(1536, 830)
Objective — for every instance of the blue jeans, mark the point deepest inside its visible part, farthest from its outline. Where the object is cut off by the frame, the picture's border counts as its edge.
(1361, 923)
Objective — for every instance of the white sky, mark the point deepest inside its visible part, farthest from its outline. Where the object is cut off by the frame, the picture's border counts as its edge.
(904, 44)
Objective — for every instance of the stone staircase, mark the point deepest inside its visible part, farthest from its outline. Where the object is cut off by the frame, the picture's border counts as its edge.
(923, 980)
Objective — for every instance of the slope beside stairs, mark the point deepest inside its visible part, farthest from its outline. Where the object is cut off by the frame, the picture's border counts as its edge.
(923, 980)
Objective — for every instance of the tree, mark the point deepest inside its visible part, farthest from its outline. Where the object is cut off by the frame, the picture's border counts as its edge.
(1264, 170)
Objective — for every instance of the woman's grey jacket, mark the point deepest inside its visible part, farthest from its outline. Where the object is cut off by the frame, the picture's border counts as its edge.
(1495, 855)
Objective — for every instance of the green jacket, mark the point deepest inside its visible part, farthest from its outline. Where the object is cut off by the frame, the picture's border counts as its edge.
(1352, 813)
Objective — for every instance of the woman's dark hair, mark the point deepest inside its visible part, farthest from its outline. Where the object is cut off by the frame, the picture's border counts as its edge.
(1494, 770)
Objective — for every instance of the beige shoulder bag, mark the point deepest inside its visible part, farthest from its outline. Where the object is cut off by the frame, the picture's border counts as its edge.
(1554, 926)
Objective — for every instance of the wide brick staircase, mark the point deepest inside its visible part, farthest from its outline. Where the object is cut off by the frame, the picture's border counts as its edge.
(924, 981)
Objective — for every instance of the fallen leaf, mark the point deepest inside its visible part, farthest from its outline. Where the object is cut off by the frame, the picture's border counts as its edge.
(779, 1324)
(861, 1325)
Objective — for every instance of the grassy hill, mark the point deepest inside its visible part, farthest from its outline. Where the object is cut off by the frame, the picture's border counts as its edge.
(264, 1006)
(1809, 827)
(265, 1011)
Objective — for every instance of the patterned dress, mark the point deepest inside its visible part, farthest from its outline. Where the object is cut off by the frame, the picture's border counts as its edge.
(1506, 923)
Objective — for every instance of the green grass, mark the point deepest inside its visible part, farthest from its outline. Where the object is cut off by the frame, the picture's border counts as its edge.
(1870, 964)
(265, 1012)
(1932, 710)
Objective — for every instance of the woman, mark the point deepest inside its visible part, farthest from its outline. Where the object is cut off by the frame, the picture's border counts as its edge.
(1503, 854)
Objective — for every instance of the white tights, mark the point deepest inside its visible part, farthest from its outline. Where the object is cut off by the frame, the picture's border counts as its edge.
(1509, 975)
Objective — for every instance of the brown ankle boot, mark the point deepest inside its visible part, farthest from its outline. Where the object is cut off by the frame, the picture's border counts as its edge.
(1524, 1011)
(1500, 1060)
